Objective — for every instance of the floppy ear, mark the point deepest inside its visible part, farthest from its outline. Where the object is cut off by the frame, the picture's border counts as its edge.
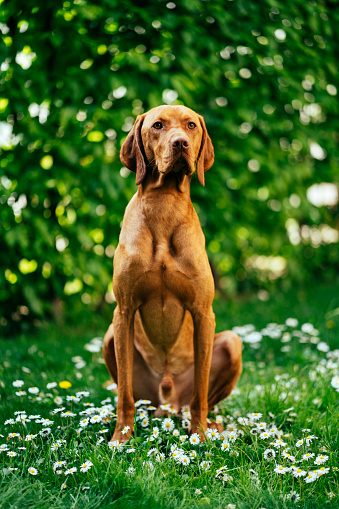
(206, 153)
(132, 151)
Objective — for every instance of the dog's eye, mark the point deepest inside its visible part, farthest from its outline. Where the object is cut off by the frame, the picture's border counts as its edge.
(191, 125)
(157, 125)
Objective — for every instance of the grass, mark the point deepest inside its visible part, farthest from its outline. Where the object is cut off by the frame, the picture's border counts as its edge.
(287, 378)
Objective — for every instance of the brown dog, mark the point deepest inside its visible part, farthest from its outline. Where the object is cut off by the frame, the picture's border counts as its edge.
(163, 347)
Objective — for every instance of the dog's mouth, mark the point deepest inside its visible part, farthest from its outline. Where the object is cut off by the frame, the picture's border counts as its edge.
(181, 163)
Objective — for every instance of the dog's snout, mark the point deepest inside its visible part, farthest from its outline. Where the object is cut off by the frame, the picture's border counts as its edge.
(180, 142)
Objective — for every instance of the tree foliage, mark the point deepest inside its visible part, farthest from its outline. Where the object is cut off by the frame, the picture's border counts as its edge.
(74, 75)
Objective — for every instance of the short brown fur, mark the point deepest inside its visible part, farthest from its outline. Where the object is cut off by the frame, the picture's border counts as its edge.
(162, 344)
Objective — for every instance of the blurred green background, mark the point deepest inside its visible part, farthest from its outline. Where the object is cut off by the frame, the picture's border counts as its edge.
(74, 75)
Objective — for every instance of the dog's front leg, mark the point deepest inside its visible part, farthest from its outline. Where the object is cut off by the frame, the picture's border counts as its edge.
(123, 323)
(204, 327)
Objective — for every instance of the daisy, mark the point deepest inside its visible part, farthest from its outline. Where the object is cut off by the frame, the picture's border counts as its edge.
(14, 435)
(28, 438)
(34, 390)
(51, 385)
(115, 445)
(21, 393)
(335, 382)
(159, 458)
(32, 471)
(231, 436)
(71, 471)
(193, 454)
(219, 419)
(309, 439)
(185, 423)
(307, 456)
(213, 434)
(155, 432)
(145, 422)
(311, 476)
(255, 416)
(220, 470)
(95, 419)
(198, 492)
(86, 466)
(299, 443)
(195, 439)
(323, 470)
(11, 454)
(124, 431)
(184, 459)
(58, 464)
(278, 443)
(262, 425)
(130, 471)
(265, 435)
(225, 446)
(280, 469)
(130, 450)
(68, 413)
(183, 438)
(83, 423)
(18, 383)
(292, 322)
(55, 446)
(205, 465)
(320, 460)
(176, 452)
(243, 420)
(176, 433)
(298, 472)
(167, 424)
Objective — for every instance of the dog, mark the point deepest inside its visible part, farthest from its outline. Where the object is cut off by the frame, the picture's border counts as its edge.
(162, 344)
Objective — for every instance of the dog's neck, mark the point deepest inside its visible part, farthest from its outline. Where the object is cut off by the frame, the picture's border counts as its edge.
(165, 203)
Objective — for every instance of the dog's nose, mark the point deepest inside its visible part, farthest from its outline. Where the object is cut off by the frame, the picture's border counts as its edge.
(179, 142)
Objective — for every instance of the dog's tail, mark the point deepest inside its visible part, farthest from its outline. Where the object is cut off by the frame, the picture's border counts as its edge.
(166, 388)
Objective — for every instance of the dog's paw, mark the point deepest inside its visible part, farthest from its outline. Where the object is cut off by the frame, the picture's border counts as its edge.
(215, 425)
(122, 436)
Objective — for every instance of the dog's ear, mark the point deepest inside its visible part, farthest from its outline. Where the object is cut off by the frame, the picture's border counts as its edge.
(206, 153)
(132, 151)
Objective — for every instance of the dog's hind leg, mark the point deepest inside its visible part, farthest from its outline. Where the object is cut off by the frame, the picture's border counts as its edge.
(226, 366)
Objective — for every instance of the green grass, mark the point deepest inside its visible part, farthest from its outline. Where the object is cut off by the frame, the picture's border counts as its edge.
(288, 382)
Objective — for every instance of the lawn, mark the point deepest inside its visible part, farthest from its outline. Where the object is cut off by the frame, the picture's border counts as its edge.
(281, 440)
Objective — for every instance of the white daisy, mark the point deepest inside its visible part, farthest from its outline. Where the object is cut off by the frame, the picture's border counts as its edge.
(195, 439)
(280, 469)
(167, 424)
(298, 472)
(320, 459)
(205, 465)
(32, 471)
(311, 476)
(86, 466)
(71, 471)
(184, 459)
(307, 456)
(213, 434)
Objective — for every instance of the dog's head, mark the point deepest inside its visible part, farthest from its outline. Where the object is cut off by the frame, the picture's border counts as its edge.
(168, 138)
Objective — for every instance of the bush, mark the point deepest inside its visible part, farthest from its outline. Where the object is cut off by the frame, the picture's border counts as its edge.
(75, 77)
